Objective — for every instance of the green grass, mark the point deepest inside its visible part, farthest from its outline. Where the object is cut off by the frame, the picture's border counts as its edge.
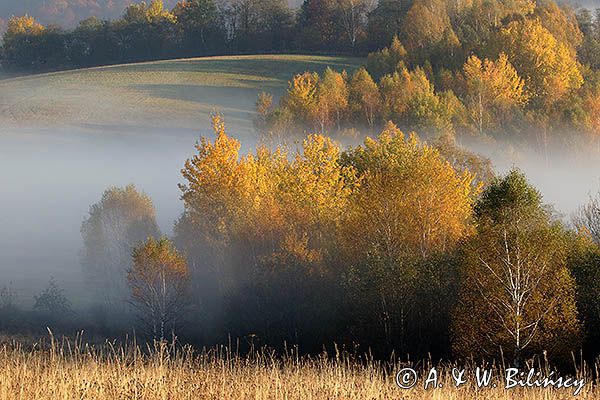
(174, 94)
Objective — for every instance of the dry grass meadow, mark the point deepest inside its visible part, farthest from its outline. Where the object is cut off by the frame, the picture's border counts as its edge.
(73, 370)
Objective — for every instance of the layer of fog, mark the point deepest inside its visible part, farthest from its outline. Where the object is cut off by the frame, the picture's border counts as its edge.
(50, 176)
(49, 179)
(567, 175)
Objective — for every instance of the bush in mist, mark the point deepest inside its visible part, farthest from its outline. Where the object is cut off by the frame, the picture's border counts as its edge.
(9, 312)
(52, 307)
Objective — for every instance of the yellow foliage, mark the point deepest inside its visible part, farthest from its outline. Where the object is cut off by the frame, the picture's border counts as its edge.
(411, 201)
(548, 66)
(331, 99)
(158, 280)
(493, 89)
(401, 88)
(153, 13)
(364, 95)
(156, 12)
(301, 93)
(24, 25)
(427, 25)
(265, 200)
(561, 22)
(213, 194)
(318, 187)
(154, 258)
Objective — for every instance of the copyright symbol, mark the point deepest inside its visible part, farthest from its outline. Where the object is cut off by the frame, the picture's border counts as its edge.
(406, 378)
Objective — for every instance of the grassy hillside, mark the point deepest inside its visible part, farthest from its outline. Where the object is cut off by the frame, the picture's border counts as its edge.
(175, 95)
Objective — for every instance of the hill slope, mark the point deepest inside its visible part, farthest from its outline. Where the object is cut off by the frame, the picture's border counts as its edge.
(174, 95)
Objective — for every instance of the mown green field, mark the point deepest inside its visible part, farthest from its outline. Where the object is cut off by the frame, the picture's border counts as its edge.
(174, 94)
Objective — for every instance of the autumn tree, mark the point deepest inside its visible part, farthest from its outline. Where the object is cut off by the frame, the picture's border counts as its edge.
(158, 280)
(258, 223)
(411, 207)
(149, 29)
(493, 91)
(301, 95)
(213, 196)
(24, 41)
(264, 109)
(153, 13)
(364, 96)
(116, 224)
(549, 67)
(331, 99)
(478, 21)
(24, 25)
(400, 173)
(561, 22)
(517, 294)
(409, 99)
(317, 190)
(214, 200)
(583, 108)
(301, 220)
(427, 27)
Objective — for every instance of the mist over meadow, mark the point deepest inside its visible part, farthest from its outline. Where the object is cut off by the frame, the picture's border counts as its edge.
(51, 176)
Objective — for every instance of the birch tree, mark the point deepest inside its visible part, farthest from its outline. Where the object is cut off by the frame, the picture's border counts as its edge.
(517, 294)
(353, 15)
(158, 280)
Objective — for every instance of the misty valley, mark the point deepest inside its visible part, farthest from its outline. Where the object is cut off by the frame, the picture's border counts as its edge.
(308, 199)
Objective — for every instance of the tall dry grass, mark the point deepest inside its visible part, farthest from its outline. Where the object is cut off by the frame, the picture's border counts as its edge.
(74, 370)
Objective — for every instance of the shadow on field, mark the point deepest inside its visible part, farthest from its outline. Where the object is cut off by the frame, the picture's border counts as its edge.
(281, 69)
(235, 101)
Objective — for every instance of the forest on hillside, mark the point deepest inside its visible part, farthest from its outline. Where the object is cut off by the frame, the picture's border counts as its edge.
(439, 31)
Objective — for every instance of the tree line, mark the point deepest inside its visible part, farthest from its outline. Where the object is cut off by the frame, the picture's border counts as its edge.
(438, 32)
(531, 73)
(149, 31)
(395, 244)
